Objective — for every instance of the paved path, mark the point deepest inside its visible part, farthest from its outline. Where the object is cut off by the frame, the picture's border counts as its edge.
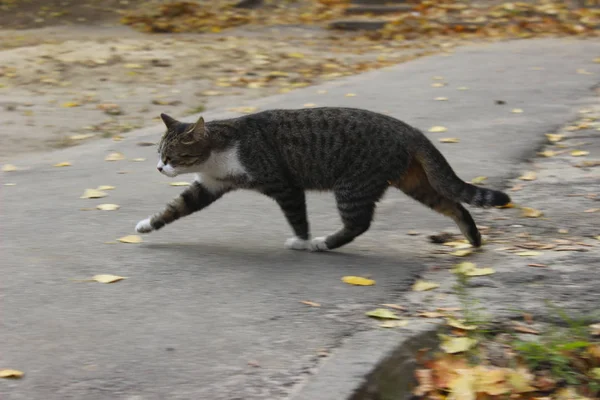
(211, 309)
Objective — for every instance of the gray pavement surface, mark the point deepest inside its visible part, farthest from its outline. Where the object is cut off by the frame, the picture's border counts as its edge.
(211, 307)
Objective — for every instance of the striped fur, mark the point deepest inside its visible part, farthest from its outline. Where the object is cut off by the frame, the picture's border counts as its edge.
(355, 153)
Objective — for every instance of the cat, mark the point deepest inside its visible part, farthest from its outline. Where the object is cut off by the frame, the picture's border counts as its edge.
(353, 152)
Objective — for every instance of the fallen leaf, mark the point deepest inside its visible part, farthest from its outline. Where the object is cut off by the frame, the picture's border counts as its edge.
(81, 136)
(296, 55)
(516, 110)
(519, 380)
(310, 105)
(9, 168)
(547, 153)
(350, 94)
(63, 164)
(463, 88)
(478, 180)
(425, 380)
(507, 205)
(11, 374)
(460, 324)
(421, 286)
(179, 184)
(595, 329)
(244, 110)
(139, 159)
(438, 84)
(595, 373)
(462, 253)
(116, 156)
(310, 303)
(394, 324)
(382, 313)
(529, 253)
(530, 212)
(553, 138)
(464, 267)
(105, 187)
(579, 153)
(525, 329)
(69, 104)
(93, 194)
(449, 140)
(462, 387)
(431, 314)
(537, 265)
(441, 98)
(130, 239)
(480, 272)
(516, 188)
(358, 281)
(395, 306)
(10, 184)
(438, 129)
(105, 278)
(108, 207)
(583, 71)
(592, 210)
(133, 66)
(453, 345)
(528, 176)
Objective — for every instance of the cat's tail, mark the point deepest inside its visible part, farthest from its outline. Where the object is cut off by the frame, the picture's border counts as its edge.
(444, 180)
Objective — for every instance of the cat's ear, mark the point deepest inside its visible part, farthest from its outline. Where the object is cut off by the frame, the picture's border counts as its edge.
(169, 121)
(199, 130)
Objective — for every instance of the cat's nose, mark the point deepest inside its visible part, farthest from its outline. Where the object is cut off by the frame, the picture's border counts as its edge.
(159, 169)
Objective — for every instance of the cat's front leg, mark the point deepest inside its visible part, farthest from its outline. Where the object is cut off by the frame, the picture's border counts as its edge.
(194, 198)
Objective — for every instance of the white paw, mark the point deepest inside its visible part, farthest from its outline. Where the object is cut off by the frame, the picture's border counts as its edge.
(318, 244)
(296, 243)
(144, 226)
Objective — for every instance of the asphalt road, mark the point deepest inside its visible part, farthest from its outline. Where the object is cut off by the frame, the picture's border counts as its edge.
(211, 307)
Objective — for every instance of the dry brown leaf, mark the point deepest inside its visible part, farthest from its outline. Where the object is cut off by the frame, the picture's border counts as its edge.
(93, 194)
(528, 176)
(395, 306)
(63, 164)
(115, 156)
(11, 374)
(106, 278)
(525, 329)
(358, 281)
(108, 207)
(421, 285)
(310, 303)
(449, 140)
(425, 381)
(537, 265)
(130, 239)
(437, 129)
(529, 212)
(9, 168)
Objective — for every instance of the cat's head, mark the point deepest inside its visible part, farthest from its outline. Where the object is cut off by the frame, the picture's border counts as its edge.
(183, 148)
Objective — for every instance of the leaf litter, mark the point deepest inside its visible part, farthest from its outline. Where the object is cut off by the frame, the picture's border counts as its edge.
(358, 281)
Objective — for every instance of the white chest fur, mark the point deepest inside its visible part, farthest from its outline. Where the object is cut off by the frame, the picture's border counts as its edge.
(216, 172)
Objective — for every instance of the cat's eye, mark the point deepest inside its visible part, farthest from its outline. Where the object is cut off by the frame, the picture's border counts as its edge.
(167, 160)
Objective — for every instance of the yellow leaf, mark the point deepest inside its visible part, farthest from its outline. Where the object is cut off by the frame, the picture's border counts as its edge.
(438, 129)
(529, 212)
(462, 387)
(10, 184)
(516, 111)
(519, 381)
(478, 180)
(63, 164)
(595, 329)
(296, 55)
(108, 207)
(491, 381)
(310, 105)
(105, 187)
(597, 60)
(69, 104)
(528, 176)
(81, 136)
(421, 286)
(255, 85)
(9, 168)
(431, 314)
(579, 153)
(529, 253)
(441, 98)
(553, 138)
(438, 84)
(179, 184)
(480, 272)
(595, 373)
(310, 303)
(394, 324)
(382, 313)
(93, 194)
(130, 239)
(133, 66)
(358, 281)
(350, 94)
(462, 253)
(547, 153)
(453, 345)
(139, 159)
(449, 140)
(244, 110)
(104, 278)
(583, 71)
(463, 88)
(11, 374)
(464, 267)
(116, 156)
(460, 324)
(507, 205)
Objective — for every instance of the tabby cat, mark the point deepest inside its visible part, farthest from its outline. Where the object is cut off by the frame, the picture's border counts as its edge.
(355, 153)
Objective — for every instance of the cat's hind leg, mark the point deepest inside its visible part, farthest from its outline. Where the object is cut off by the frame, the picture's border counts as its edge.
(356, 205)
(414, 183)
